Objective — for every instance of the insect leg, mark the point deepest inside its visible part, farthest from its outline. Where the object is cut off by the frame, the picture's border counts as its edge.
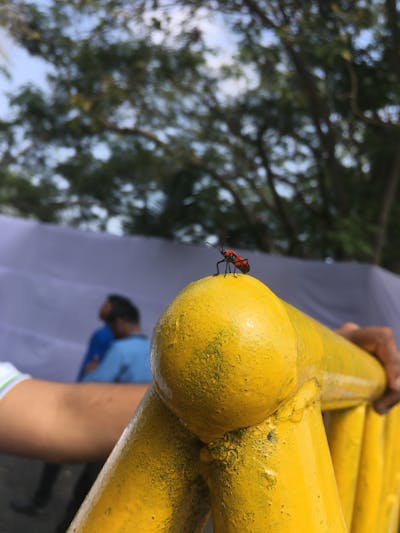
(227, 268)
(218, 263)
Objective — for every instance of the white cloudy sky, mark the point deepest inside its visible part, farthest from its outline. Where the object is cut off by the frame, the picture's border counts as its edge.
(24, 68)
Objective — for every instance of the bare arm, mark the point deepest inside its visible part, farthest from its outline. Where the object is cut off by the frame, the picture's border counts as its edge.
(379, 341)
(66, 422)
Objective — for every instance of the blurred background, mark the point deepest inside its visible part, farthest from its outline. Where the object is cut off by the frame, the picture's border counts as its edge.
(137, 138)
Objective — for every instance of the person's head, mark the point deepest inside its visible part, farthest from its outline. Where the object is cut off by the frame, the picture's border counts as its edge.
(123, 319)
(108, 304)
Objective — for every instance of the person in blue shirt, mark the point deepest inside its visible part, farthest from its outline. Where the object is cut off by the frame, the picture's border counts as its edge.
(127, 360)
(102, 338)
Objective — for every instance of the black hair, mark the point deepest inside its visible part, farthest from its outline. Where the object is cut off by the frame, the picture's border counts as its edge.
(125, 309)
(117, 298)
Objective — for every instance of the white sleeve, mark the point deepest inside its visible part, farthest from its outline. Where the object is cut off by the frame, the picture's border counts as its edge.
(9, 376)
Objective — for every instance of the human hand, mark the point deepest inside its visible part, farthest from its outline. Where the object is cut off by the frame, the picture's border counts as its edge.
(379, 341)
(92, 365)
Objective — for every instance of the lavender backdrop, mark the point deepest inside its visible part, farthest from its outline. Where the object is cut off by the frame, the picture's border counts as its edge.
(53, 279)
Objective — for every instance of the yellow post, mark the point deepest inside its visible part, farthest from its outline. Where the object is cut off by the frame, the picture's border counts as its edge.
(245, 374)
(276, 476)
(151, 482)
(227, 353)
(391, 487)
(370, 480)
(345, 435)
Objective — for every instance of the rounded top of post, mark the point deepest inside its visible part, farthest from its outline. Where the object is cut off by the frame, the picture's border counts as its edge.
(224, 354)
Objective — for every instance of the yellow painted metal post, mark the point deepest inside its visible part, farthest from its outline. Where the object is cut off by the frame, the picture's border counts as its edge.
(345, 434)
(224, 355)
(276, 476)
(151, 482)
(347, 375)
(237, 370)
(391, 487)
(222, 368)
(366, 513)
(227, 352)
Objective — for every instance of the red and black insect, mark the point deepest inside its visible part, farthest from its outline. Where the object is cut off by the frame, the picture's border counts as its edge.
(233, 258)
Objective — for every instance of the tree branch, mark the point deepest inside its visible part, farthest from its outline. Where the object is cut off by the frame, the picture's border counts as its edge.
(318, 107)
(354, 102)
(392, 21)
(387, 205)
(287, 223)
(260, 230)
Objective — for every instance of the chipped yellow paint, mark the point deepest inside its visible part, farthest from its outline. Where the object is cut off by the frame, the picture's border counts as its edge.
(239, 380)
(276, 476)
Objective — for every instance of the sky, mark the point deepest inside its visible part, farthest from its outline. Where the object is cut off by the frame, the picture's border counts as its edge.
(22, 68)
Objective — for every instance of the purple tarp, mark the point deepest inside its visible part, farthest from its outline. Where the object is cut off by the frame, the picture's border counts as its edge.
(53, 279)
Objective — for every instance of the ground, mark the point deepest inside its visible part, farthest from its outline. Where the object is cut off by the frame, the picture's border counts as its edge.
(17, 479)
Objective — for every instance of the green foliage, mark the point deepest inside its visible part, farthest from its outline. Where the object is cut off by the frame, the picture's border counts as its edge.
(18, 195)
(286, 139)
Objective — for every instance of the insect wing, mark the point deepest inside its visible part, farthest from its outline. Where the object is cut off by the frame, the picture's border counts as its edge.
(242, 265)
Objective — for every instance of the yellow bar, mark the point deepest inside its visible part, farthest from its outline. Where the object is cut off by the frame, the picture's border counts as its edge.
(238, 369)
(151, 482)
(227, 352)
(390, 493)
(370, 480)
(348, 375)
(345, 433)
(277, 476)
(392, 525)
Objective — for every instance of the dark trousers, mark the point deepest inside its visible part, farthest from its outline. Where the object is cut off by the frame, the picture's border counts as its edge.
(48, 478)
(82, 487)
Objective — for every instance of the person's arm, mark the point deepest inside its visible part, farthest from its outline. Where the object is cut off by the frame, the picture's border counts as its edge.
(379, 341)
(108, 369)
(66, 422)
(99, 343)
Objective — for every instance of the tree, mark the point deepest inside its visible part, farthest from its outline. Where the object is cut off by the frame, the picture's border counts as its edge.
(288, 143)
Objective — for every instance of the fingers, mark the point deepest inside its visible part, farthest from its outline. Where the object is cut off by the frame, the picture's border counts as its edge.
(389, 399)
(347, 329)
(379, 341)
